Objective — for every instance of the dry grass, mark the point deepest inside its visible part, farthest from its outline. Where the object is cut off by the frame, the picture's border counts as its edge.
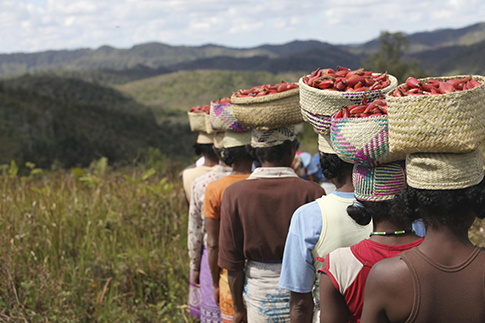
(98, 246)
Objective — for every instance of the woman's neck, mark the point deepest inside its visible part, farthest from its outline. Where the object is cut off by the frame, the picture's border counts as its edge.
(344, 185)
(242, 167)
(393, 239)
(446, 245)
(275, 164)
(210, 160)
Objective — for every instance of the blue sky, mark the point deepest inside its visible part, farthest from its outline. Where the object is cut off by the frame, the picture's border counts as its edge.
(39, 25)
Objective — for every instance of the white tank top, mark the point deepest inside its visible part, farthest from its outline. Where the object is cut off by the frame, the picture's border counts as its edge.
(338, 230)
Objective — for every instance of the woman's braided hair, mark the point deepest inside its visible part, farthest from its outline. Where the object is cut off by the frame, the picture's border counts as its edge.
(334, 167)
(230, 155)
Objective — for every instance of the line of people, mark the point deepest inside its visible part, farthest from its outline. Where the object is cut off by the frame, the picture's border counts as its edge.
(268, 246)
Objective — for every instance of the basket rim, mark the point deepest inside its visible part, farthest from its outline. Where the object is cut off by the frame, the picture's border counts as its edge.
(360, 118)
(264, 98)
(389, 97)
(316, 91)
(196, 113)
(213, 102)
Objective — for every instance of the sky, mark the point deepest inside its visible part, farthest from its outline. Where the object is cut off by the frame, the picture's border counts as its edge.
(40, 25)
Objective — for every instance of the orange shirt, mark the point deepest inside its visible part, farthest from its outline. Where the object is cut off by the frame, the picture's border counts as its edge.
(214, 192)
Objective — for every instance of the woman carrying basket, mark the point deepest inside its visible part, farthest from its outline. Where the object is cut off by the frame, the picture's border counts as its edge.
(441, 280)
(345, 270)
(255, 217)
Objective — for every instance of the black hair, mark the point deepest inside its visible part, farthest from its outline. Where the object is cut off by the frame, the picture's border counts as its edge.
(334, 167)
(230, 155)
(441, 207)
(274, 153)
(377, 212)
(202, 149)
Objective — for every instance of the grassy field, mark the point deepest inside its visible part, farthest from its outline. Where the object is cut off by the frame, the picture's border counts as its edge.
(94, 245)
(97, 245)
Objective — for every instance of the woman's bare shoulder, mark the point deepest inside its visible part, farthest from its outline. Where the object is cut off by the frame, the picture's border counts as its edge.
(390, 271)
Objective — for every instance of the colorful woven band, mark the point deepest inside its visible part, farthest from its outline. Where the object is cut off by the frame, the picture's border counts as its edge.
(273, 137)
(379, 183)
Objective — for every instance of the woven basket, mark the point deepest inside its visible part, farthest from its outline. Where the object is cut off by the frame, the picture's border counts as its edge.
(363, 141)
(322, 102)
(446, 123)
(208, 126)
(321, 123)
(197, 121)
(222, 118)
(268, 111)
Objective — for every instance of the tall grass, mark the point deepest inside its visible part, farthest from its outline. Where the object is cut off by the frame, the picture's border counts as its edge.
(93, 246)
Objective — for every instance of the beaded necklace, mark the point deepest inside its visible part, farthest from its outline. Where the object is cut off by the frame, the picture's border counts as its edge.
(391, 233)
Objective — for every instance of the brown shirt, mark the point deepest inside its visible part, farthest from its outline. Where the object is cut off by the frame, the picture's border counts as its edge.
(447, 293)
(255, 217)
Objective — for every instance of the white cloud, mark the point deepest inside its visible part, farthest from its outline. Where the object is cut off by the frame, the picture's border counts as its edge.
(34, 25)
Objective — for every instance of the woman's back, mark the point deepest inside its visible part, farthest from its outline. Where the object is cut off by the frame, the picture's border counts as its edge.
(446, 293)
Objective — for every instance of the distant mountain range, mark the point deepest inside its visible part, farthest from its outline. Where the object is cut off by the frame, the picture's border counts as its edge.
(444, 51)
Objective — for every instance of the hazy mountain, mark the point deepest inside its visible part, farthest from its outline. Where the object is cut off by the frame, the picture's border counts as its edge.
(147, 60)
(307, 60)
(425, 41)
(466, 60)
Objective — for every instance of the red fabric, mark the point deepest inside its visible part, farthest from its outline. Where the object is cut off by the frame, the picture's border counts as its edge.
(368, 252)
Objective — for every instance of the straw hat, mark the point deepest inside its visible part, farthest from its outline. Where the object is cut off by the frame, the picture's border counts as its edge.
(325, 144)
(444, 171)
(204, 138)
(236, 139)
(218, 140)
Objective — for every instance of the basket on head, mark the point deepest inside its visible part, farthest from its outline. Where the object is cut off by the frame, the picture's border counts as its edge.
(363, 141)
(447, 123)
(197, 121)
(321, 123)
(317, 105)
(208, 126)
(268, 111)
(222, 118)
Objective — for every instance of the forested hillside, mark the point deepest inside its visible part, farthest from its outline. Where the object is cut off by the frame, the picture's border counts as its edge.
(48, 120)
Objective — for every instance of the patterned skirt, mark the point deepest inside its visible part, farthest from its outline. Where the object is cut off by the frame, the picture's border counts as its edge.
(209, 310)
(225, 298)
(265, 301)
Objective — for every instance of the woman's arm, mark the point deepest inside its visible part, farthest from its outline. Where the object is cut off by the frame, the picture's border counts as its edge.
(195, 233)
(301, 307)
(389, 292)
(333, 308)
(236, 284)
